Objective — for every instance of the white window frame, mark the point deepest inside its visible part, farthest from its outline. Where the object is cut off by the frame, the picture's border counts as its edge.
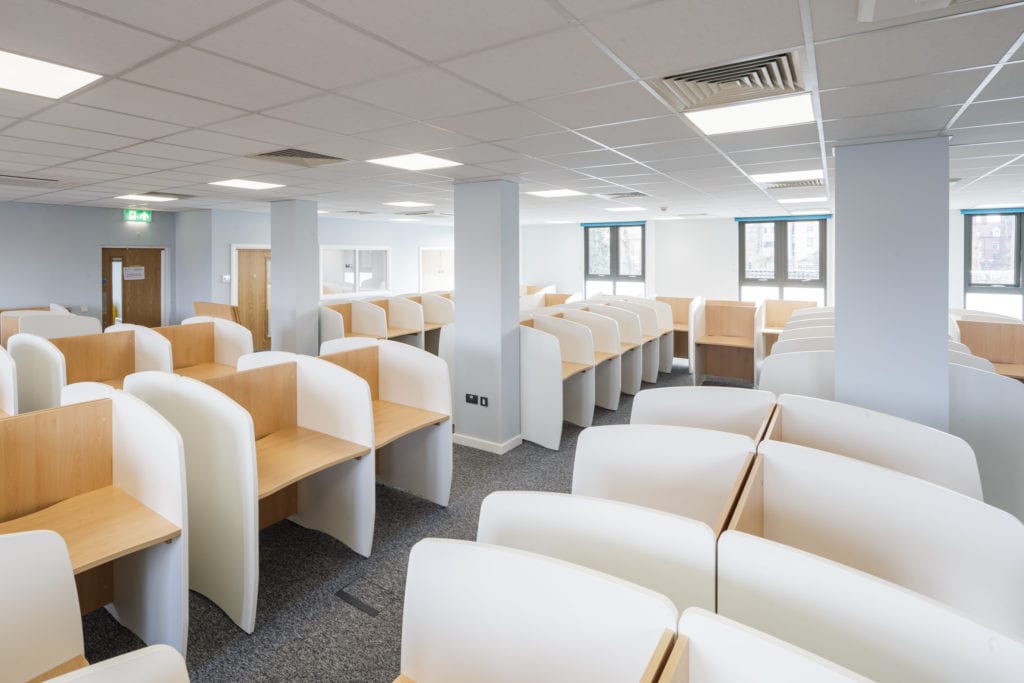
(356, 248)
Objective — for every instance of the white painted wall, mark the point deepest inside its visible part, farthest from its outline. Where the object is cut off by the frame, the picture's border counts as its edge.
(698, 257)
(552, 254)
(51, 253)
(192, 270)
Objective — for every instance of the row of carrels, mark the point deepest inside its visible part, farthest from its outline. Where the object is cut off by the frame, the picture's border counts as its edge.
(845, 537)
(164, 486)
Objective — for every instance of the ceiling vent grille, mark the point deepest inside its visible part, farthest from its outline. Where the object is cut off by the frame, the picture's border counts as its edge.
(751, 79)
(414, 213)
(357, 212)
(624, 195)
(298, 157)
(175, 195)
(27, 181)
(791, 184)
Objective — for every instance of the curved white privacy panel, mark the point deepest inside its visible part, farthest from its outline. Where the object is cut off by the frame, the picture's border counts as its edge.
(152, 349)
(881, 439)
(813, 312)
(155, 664)
(220, 457)
(52, 326)
(727, 409)
(8, 384)
(476, 612)
(810, 331)
(607, 374)
(629, 333)
(686, 471)
(871, 626)
(42, 370)
(332, 324)
(540, 387)
(230, 340)
(666, 553)
(808, 373)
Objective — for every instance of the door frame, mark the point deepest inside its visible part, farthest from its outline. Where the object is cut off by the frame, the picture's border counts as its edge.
(165, 276)
(234, 267)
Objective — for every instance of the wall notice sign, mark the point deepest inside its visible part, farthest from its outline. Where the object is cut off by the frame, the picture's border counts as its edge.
(135, 273)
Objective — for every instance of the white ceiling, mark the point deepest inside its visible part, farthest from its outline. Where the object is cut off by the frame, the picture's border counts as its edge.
(550, 93)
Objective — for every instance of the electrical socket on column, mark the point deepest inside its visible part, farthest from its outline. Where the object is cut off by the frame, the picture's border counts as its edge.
(483, 401)
(472, 398)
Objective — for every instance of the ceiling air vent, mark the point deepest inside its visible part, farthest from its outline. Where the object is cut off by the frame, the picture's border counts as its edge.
(298, 157)
(27, 181)
(747, 80)
(357, 212)
(414, 213)
(173, 195)
(791, 184)
(624, 195)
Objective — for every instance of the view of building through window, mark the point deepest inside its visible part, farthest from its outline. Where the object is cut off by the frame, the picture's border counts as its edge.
(782, 260)
(614, 259)
(994, 250)
(760, 251)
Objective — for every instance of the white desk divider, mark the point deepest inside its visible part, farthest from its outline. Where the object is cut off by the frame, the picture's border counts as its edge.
(664, 325)
(808, 321)
(528, 302)
(981, 316)
(874, 627)
(813, 312)
(352, 319)
(884, 440)
(41, 370)
(911, 532)
(668, 554)
(152, 349)
(632, 342)
(410, 412)
(231, 341)
(803, 344)
(808, 373)
(760, 344)
(41, 629)
(59, 325)
(726, 409)
(438, 311)
(557, 382)
(650, 334)
(958, 346)
(713, 649)
(10, 321)
(150, 591)
(816, 330)
(987, 411)
(698, 327)
(695, 473)
(153, 664)
(953, 330)
(291, 407)
(971, 361)
(8, 384)
(608, 358)
(404, 320)
(476, 612)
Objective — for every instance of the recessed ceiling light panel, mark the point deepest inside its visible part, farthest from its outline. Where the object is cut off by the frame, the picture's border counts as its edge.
(803, 200)
(246, 184)
(147, 198)
(407, 204)
(787, 177)
(757, 115)
(414, 162)
(556, 193)
(36, 77)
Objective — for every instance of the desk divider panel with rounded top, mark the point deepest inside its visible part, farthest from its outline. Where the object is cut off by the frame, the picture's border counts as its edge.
(438, 311)
(680, 323)
(209, 309)
(808, 373)
(663, 328)
(203, 348)
(924, 537)
(107, 473)
(723, 337)
(8, 384)
(1000, 342)
(410, 396)
(727, 409)
(630, 337)
(607, 355)
(777, 313)
(650, 334)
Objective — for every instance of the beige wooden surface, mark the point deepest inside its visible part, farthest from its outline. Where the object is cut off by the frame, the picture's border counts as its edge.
(400, 332)
(364, 362)
(602, 356)
(722, 340)
(98, 357)
(205, 371)
(72, 664)
(190, 344)
(214, 310)
(294, 453)
(777, 312)
(392, 421)
(268, 393)
(749, 514)
(1001, 343)
(677, 665)
(570, 369)
(346, 313)
(628, 346)
(729, 319)
(652, 673)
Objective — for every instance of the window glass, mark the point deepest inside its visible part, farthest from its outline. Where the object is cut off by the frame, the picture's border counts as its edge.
(759, 251)
(595, 287)
(599, 243)
(994, 250)
(803, 255)
(373, 269)
(631, 288)
(631, 250)
(337, 271)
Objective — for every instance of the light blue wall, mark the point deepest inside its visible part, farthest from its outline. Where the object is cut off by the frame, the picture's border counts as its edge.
(51, 253)
(192, 274)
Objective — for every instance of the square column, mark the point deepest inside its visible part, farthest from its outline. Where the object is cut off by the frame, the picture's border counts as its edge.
(295, 276)
(487, 314)
(892, 263)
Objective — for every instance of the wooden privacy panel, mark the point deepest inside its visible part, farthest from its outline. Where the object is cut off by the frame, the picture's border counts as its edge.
(777, 312)
(998, 342)
(212, 310)
(98, 357)
(729, 319)
(680, 307)
(268, 393)
(346, 313)
(50, 455)
(190, 344)
(382, 303)
(364, 362)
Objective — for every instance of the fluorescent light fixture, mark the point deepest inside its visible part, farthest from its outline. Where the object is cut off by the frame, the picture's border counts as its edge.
(36, 77)
(556, 193)
(809, 212)
(771, 113)
(407, 204)
(624, 208)
(788, 176)
(146, 198)
(405, 220)
(414, 162)
(802, 200)
(246, 184)
(321, 211)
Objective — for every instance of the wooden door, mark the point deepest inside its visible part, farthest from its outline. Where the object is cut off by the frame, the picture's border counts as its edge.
(141, 286)
(254, 295)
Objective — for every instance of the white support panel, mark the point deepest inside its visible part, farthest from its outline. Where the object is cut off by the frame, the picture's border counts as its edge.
(332, 324)
(407, 315)
(608, 375)
(576, 345)
(55, 325)
(152, 349)
(879, 629)
(808, 373)
(42, 371)
(727, 409)
(231, 341)
(369, 320)
(649, 328)
(666, 553)
(154, 664)
(759, 345)
(629, 333)
(698, 325)
(541, 387)
(220, 463)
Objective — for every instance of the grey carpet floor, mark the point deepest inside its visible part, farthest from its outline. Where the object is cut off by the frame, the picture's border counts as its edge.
(304, 631)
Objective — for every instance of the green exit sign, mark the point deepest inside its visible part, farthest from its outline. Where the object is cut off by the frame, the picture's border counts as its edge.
(138, 215)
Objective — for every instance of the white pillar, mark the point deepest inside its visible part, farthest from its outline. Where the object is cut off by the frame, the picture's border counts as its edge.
(892, 248)
(295, 276)
(487, 314)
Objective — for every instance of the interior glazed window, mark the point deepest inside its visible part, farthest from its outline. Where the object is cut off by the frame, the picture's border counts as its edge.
(782, 259)
(615, 258)
(992, 263)
(352, 270)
